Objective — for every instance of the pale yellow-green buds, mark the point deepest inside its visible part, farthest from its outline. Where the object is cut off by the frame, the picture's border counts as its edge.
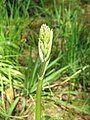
(45, 42)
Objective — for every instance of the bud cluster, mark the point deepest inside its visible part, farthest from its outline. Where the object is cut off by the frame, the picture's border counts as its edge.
(45, 42)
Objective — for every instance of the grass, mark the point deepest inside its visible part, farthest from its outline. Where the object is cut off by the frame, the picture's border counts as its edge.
(66, 84)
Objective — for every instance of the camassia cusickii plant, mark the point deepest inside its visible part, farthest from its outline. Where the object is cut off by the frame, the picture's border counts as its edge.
(44, 46)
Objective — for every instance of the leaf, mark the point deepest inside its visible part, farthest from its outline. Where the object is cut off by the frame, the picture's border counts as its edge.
(55, 75)
(13, 105)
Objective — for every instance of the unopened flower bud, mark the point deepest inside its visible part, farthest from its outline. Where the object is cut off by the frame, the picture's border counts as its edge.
(45, 42)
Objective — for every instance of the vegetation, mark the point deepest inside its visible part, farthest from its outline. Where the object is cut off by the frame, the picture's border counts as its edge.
(66, 71)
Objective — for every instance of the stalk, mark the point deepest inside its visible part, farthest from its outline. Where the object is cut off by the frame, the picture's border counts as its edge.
(38, 99)
(45, 43)
(39, 89)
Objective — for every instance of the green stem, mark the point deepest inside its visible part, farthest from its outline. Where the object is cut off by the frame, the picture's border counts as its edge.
(38, 99)
(39, 88)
